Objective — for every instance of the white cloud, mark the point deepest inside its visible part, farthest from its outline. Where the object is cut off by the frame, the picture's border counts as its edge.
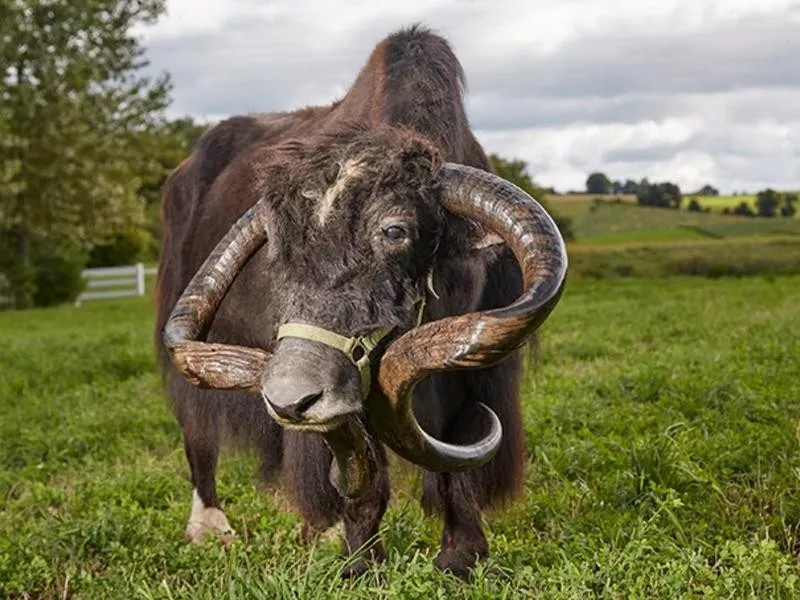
(747, 156)
(697, 91)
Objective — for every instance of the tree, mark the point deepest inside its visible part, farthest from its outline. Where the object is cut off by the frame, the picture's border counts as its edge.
(76, 109)
(10, 164)
(598, 183)
(630, 187)
(707, 190)
(767, 202)
(661, 195)
(166, 145)
(788, 209)
(515, 171)
(694, 206)
(743, 210)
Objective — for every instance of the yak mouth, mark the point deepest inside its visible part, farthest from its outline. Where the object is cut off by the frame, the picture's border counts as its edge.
(320, 412)
(310, 426)
(468, 341)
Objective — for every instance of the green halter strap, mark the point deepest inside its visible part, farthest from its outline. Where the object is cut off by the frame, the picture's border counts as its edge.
(357, 349)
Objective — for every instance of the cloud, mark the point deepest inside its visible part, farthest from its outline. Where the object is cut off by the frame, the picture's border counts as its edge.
(710, 90)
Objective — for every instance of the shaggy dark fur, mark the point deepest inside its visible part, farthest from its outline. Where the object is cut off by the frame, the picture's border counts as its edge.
(403, 117)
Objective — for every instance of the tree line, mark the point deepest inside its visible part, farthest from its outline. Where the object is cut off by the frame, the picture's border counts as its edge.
(768, 203)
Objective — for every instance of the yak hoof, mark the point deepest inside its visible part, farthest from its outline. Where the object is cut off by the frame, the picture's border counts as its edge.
(355, 569)
(359, 563)
(311, 533)
(206, 520)
(457, 561)
(196, 531)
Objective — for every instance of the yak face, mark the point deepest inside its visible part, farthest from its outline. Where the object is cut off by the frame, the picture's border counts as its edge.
(352, 237)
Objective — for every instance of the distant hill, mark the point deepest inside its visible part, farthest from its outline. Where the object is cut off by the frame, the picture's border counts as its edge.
(609, 222)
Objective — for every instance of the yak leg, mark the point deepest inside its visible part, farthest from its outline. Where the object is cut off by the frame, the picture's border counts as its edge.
(463, 541)
(454, 495)
(442, 410)
(201, 444)
(446, 405)
(462, 496)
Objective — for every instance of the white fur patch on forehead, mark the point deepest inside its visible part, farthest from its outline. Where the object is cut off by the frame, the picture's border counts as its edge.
(349, 171)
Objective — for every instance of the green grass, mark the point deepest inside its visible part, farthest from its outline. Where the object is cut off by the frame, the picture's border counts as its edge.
(581, 198)
(661, 428)
(718, 203)
(702, 257)
(715, 203)
(666, 235)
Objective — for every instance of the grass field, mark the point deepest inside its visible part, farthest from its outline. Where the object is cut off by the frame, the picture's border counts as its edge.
(718, 203)
(664, 463)
(715, 203)
(624, 222)
(765, 256)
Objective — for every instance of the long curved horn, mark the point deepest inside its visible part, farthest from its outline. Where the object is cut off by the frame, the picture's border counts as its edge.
(474, 340)
(212, 365)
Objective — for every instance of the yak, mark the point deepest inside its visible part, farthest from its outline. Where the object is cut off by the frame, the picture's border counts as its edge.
(339, 280)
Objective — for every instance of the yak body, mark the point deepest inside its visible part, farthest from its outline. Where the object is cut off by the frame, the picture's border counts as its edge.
(404, 111)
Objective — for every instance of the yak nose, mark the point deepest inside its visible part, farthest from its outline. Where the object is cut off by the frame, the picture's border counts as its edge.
(289, 400)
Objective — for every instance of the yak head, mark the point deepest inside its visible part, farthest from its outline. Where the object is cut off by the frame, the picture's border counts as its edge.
(353, 237)
(353, 226)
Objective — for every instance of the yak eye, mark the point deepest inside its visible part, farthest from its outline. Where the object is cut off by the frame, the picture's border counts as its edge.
(394, 233)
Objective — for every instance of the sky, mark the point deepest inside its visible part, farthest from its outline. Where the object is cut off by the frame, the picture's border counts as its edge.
(690, 91)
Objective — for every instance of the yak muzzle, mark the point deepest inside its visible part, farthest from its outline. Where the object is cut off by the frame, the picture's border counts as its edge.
(310, 387)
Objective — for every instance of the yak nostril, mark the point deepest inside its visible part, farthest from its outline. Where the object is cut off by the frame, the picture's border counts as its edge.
(306, 402)
(296, 410)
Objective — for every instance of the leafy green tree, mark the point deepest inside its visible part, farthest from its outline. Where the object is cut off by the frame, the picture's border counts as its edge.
(707, 190)
(75, 110)
(767, 202)
(661, 195)
(788, 209)
(515, 171)
(598, 183)
(630, 187)
(694, 206)
(166, 146)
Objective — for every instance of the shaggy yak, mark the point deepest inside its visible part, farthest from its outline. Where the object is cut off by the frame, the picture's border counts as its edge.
(340, 279)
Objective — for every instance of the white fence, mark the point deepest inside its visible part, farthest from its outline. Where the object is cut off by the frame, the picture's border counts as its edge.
(101, 283)
(125, 281)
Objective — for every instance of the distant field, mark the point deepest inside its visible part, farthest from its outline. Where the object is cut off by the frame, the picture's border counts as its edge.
(567, 198)
(715, 203)
(615, 223)
(768, 256)
(661, 432)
